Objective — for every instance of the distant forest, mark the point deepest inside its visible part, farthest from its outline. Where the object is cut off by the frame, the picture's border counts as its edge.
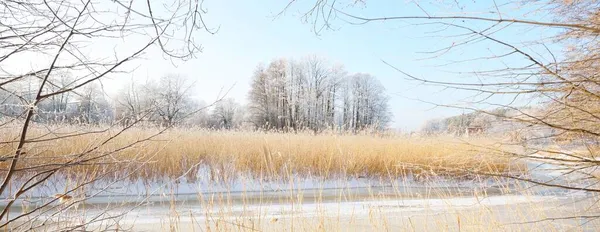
(458, 124)
(285, 94)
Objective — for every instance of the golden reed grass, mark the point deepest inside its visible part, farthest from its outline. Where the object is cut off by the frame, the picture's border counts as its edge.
(256, 153)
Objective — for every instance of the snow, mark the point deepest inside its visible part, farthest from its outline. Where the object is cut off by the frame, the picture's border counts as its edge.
(150, 215)
(303, 196)
(104, 191)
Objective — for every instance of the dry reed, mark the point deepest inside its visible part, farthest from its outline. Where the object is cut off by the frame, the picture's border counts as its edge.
(228, 153)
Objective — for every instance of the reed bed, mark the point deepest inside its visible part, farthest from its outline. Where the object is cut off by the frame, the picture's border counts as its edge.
(262, 154)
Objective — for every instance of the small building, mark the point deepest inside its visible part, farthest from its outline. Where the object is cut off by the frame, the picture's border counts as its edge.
(474, 131)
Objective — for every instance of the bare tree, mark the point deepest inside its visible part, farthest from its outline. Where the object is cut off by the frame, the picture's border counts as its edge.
(268, 96)
(306, 94)
(201, 114)
(171, 98)
(322, 80)
(131, 101)
(550, 79)
(54, 108)
(91, 40)
(227, 114)
(364, 103)
(433, 126)
(91, 107)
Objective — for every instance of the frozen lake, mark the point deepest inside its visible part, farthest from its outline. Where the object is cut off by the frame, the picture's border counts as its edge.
(308, 204)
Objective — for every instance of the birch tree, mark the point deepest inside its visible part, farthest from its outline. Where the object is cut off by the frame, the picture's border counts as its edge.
(364, 103)
(307, 93)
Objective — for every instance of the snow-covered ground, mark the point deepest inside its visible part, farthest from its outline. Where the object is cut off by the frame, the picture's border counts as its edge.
(104, 191)
(157, 216)
(245, 203)
(479, 213)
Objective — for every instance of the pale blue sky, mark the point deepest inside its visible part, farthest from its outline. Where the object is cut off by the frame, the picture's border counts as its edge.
(249, 35)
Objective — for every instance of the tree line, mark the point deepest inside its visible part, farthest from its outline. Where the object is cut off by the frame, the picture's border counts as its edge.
(286, 95)
(312, 94)
(458, 124)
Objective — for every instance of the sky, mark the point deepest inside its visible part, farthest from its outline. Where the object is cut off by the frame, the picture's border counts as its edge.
(250, 33)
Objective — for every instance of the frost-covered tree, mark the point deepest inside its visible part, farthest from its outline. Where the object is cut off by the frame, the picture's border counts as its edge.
(54, 108)
(307, 93)
(91, 107)
(134, 103)
(226, 114)
(40, 40)
(364, 103)
(433, 126)
(170, 99)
